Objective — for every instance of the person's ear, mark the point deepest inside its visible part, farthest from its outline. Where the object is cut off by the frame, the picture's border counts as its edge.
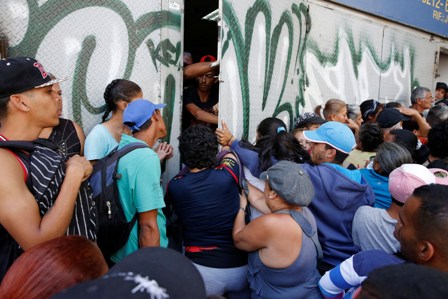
(272, 194)
(425, 251)
(20, 102)
(121, 104)
(331, 153)
(156, 116)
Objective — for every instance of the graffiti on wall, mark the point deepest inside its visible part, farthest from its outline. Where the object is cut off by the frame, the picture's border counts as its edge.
(267, 55)
(282, 70)
(94, 42)
(354, 71)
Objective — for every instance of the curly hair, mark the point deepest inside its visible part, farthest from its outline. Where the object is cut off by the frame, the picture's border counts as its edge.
(119, 89)
(198, 146)
(438, 141)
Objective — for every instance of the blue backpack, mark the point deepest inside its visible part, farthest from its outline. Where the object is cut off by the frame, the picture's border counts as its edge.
(113, 228)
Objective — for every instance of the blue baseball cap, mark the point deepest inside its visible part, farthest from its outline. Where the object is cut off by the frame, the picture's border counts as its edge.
(335, 134)
(139, 112)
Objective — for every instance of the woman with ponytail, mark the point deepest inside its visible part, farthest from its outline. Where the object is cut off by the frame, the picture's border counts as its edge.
(105, 137)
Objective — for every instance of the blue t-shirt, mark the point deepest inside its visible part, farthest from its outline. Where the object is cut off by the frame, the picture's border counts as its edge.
(140, 191)
(380, 186)
(99, 143)
(206, 203)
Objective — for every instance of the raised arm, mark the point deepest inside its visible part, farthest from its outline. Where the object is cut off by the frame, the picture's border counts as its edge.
(257, 199)
(252, 236)
(202, 115)
(198, 69)
(423, 126)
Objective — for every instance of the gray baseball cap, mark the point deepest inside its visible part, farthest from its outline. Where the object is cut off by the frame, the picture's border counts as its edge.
(290, 182)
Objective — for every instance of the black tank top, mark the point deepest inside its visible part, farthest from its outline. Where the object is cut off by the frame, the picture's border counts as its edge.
(65, 136)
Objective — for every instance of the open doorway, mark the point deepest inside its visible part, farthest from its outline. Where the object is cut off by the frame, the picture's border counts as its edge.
(200, 36)
(201, 92)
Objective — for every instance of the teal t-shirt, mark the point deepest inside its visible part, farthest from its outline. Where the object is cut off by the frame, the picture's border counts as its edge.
(99, 143)
(140, 191)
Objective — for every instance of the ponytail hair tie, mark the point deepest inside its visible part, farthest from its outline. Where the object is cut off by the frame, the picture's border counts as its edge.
(281, 129)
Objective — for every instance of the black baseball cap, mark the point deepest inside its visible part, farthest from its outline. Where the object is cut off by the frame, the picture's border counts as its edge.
(19, 74)
(389, 117)
(150, 272)
(442, 85)
(308, 118)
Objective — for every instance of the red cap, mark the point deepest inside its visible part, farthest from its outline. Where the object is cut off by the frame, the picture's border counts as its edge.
(208, 58)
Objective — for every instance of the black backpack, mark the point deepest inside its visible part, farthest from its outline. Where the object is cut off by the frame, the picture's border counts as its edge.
(46, 172)
(113, 228)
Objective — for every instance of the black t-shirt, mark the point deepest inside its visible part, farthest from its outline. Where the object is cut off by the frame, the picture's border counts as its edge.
(191, 96)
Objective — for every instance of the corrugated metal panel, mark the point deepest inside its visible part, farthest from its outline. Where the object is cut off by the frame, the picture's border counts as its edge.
(94, 42)
(261, 64)
(410, 61)
(286, 57)
(342, 57)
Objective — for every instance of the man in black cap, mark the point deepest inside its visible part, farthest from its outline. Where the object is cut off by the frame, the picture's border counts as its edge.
(392, 119)
(28, 104)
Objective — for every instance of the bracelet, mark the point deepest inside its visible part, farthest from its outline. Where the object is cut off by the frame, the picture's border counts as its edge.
(243, 209)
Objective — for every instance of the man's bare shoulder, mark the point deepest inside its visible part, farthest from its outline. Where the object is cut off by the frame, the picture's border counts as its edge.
(16, 201)
(12, 178)
(10, 163)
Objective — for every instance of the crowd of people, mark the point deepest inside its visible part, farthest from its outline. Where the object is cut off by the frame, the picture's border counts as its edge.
(349, 203)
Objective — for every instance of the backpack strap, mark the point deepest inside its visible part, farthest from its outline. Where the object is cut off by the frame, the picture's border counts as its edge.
(306, 228)
(119, 154)
(241, 177)
(21, 150)
(129, 148)
(28, 146)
